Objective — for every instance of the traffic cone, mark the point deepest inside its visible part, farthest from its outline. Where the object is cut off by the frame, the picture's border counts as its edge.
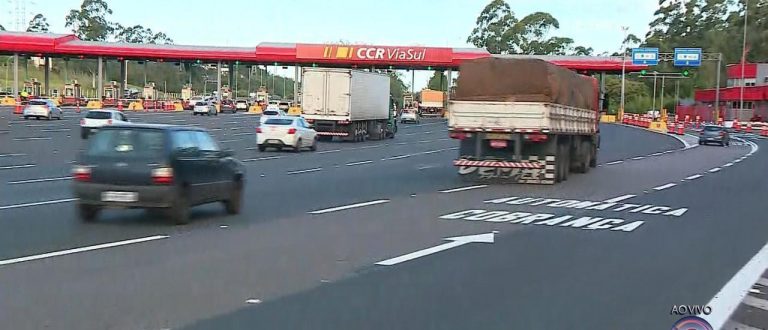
(670, 128)
(680, 129)
(736, 125)
(17, 110)
(119, 105)
(749, 128)
(77, 107)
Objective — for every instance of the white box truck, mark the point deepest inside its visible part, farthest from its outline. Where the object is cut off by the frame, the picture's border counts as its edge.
(352, 105)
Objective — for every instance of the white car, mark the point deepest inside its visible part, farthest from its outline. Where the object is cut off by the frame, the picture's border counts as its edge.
(411, 116)
(96, 119)
(284, 131)
(204, 108)
(271, 113)
(241, 105)
(41, 108)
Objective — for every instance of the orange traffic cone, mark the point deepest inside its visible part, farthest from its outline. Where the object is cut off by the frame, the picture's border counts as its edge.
(17, 110)
(749, 128)
(119, 105)
(680, 129)
(764, 131)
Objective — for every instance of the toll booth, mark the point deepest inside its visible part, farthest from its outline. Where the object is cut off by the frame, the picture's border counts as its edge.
(262, 96)
(55, 93)
(187, 93)
(72, 94)
(110, 96)
(149, 92)
(408, 101)
(226, 92)
(34, 88)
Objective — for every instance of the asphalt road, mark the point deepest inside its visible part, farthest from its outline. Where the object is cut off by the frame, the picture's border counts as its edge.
(278, 266)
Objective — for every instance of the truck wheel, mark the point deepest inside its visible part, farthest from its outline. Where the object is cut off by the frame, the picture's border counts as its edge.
(562, 163)
(584, 158)
(593, 156)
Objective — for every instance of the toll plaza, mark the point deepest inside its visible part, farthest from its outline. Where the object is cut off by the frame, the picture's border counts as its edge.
(373, 57)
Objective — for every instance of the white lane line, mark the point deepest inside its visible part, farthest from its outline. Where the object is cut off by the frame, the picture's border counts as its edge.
(16, 166)
(216, 129)
(261, 158)
(57, 201)
(81, 249)
(328, 151)
(244, 133)
(11, 155)
(756, 302)
(359, 163)
(305, 171)
(228, 141)
(638, 158)
(464, 188)
(236, 128)
(431, 151)
(52, 130)
(668, 185)
(728, 165)
(351, 206)
(231, 122)
(401, 143)
(425, 141)
(656, 154)
(31, 138)
(716, 169)
(618, 199)
(615, 162)
(694, 177)
(396, 157)
(725, 302)
(178, 120)
(737, 161)
(40, 180)
(426, 167)
(370, 147)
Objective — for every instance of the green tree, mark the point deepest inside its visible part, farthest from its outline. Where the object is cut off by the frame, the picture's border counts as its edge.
(397, 87)
(90, 22)
(500, 32)
(438, 82)
(140, 34)
(38, 24)
(581, 50)
(2, 28)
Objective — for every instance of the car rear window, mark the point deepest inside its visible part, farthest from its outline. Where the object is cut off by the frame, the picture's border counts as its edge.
(270, 113)
(38, 102)
(200, 104)
(98, 115)
(127, 143)
(278, 121)
(712, 128)
(241, 101)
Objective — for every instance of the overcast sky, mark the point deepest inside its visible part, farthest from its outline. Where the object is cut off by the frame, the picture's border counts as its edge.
(592, 23)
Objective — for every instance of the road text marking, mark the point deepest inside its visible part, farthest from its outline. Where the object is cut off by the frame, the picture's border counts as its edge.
(82, 249)
(351, 206)
(618, 199)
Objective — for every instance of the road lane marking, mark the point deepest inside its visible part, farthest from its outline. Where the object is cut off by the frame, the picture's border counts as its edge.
(52, 130)
(261, 158)
(228, 141)
(401, 143)
(737, 161)
(615, 162)
(657, 154)
(236, 128)
(464, 188)
(619, 199)
(11, 167)
(359, 163)
(328, 151)
(351, 206)
(11, 155)
(454, 242)
(370, 147)
(396, 157)
(716, 169)
(728, 165)
(425, 141)
(426, 167)
(40, 180)
(638, 158)
(244, 133)
(668, 185)
(57, 201)
(178, 120)
(756, 302)
(81, 249)
(31, 138)
(694, 177)
(431, 151)
(725, 302)
(305, 171)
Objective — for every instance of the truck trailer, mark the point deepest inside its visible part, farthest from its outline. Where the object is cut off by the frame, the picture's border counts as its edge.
(352, 105)
(523, 121)
(432, 103)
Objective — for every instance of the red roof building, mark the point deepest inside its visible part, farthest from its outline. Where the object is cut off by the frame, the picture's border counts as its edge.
(754, 93)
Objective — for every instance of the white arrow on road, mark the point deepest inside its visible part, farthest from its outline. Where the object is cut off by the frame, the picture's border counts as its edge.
(454, 242)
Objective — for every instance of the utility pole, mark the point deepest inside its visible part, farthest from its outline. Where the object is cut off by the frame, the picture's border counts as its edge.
(662, 93)
(653, 107)
(623, 68)
(743, 55)
(717, 88)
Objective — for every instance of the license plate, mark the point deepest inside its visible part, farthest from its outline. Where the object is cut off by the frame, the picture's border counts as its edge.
(119, 196)
(498, 136)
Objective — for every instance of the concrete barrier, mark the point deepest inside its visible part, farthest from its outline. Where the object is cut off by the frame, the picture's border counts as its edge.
(294, 111)
(8, 101)
(136, 106)
(658, 126)
(255, 109)
(178, 106)
(94, 104)
(608, 118)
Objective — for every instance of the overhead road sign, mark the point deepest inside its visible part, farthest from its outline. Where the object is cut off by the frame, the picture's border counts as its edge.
(645, 56)
(687, 57)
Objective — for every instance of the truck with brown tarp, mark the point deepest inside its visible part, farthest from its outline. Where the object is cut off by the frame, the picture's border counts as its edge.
(523, 121)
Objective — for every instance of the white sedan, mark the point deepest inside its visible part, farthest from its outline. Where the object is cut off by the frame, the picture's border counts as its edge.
(42, 108)
(96, 119)
(285, 131)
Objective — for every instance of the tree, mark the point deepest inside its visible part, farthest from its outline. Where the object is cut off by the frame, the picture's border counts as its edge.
(38, 24)
(581, 50)
(397, 87)
(435, 82)
(2, 28)
(139, 34)
(90, 22)
(500, 32)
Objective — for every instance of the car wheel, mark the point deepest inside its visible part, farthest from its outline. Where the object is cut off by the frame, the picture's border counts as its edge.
(87, 212)
(701, 143)
(297, 148)
(313, 147)
(232, 205)
(26, 117)
(50, 116)
(83, 134)
(179, 212)
(262, 148)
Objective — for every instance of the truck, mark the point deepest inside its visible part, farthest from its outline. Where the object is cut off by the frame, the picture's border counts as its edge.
(523, 121)
(432, 102)
(352, 105)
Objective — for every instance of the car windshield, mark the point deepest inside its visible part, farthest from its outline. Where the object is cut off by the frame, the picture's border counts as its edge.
(279, 121)
(98, 115)
(127, 143)
(712, 128)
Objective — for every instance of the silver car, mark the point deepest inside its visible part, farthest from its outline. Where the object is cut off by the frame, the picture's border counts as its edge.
(714, 134)
(41, 108)
(204, 108)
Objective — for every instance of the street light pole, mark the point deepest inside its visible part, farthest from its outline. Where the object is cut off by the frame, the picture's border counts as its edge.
(743, 55)
(653, 107)
(623, 67)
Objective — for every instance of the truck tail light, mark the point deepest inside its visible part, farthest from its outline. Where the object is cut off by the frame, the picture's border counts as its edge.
(81, 173)
(459, 135)
(535, 137)
(342, 122)
(291, 131)
(162, 175)
(498, 144)
(258, 129)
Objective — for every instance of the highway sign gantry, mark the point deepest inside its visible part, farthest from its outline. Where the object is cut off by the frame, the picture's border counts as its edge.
(645, 56)
(687, 57)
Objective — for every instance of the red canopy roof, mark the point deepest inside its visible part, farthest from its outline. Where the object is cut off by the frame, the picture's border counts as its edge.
(282, 53)
(731, 94)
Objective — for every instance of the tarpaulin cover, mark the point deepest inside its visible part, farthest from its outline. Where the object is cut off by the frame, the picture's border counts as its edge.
(523, 80)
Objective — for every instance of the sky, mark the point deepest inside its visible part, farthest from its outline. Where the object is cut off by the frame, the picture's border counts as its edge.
(438, 23)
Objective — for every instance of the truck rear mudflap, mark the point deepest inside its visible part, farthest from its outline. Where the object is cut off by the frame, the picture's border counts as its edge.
(534, 170)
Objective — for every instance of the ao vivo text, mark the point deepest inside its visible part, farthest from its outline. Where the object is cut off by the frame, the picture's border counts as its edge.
(690, 310)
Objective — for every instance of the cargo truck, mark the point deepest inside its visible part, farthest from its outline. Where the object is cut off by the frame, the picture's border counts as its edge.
(523, 121)
(432, 103)
(351, 105)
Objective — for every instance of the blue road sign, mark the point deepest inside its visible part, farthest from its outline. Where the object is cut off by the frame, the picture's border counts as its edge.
(687, 57)
(645, 56)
